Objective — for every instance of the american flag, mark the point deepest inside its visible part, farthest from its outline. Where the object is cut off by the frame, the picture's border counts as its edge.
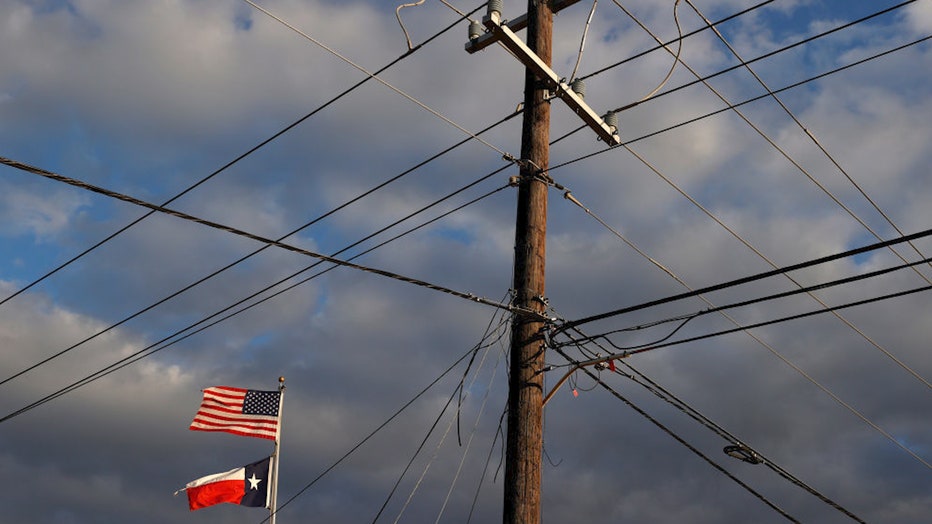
(240, 411)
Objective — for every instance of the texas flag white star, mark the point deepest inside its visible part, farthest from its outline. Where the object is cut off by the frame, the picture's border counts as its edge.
(254, 481)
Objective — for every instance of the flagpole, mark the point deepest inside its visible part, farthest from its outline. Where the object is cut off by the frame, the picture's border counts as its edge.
(273, 503)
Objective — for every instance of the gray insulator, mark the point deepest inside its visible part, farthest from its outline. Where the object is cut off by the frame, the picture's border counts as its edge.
(579, 87)
(495, 6)
(475, 30)
(611, 120)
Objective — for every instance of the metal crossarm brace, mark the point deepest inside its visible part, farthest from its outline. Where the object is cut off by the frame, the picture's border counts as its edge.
(509, 39)
(515, 25)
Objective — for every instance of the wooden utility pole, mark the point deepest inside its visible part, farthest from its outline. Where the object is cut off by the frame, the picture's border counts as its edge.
(524, 444)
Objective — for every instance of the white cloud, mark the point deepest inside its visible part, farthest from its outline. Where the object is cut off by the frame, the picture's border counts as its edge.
(147, 98)
(919, 17)
(25, 211)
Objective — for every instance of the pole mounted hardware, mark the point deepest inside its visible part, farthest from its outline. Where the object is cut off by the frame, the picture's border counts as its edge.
(500, 31)
(479, 41)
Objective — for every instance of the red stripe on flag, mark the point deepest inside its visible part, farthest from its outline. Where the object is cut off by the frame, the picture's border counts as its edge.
(231, 491)
(222, 410)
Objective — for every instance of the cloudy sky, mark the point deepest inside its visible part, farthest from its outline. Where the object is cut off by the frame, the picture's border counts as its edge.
(176, 102)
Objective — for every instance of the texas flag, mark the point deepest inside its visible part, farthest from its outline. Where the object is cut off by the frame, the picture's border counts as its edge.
(246, 486)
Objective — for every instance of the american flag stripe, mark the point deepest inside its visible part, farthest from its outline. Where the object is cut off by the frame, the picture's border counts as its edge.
(238, 411)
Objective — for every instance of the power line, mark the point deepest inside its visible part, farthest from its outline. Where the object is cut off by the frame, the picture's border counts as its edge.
(229, 164)
(739, 104)
(746, 330)
(753, 99)
(628, 353)
(484, 342)
(696, 415)
(780, 320)
(678, 39)
(293, 232)
(379, 428)
(824, 151)
(379, 79)
(687, 445)
(744, 280)
(164, 342)
(667, 396)
(775, 296)
(461, 387)
(747, 244)
(742, 63)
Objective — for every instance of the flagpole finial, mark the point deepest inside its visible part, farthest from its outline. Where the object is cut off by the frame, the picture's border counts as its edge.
(281, 380)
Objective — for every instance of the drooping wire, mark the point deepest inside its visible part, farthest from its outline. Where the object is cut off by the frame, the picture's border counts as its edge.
(379, 428)
(487, 347)
(475, 428)
(687, 35)
(676, 56)
(483, 343)
(582, 41)
(499, 435)
(398, 16)
(500, 334)
(414, 456)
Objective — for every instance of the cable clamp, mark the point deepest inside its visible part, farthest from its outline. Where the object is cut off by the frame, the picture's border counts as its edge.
(743, 453)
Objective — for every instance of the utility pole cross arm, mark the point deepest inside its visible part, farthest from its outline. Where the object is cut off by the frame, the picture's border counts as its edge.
(483, 41)
(509, 39)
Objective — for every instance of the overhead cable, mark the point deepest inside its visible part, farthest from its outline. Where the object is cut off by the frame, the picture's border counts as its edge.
(379, 79)
(398, 16)
(678, 39)
(289, 234)
(226, 166)
(776, 296)
(676, 56)
(744, 280)
(368, 437)
(739, 327)
(896, 360)
(206, 323)
(667, 396)
(582, 41)
(691, 448)
(732, 106)
(629, 353)
(822, 148)
(741, 64)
